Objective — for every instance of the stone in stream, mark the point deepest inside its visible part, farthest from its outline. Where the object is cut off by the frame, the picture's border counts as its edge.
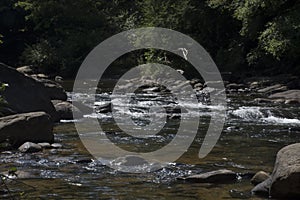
(24, 94)
(20, 128)
(273, 89)
(198, 86)
(45, 145)
(285, 179)
(262, 189)
(29, 147)
(287, 95)
(218, 176)
(106, 108)
(234, 86)
(67, 110)
(259, 177)
(56, 146)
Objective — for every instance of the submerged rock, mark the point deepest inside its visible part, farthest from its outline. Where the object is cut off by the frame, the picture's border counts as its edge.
(29, 147)
(218, 176)
(20, 128)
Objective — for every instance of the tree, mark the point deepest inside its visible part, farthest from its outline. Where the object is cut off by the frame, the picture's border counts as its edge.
(270, 30)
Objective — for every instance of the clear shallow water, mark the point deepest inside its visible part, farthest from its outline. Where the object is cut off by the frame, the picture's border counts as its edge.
(251, 137)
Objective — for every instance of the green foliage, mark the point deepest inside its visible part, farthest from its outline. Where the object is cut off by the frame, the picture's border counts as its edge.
(42, 54)
(270, 29)
(67, 32)
(239, 34)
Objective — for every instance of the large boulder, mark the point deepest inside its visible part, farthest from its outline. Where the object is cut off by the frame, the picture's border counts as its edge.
(32, 127)
(55, 90)
(285, 180)
(25, 94)
(286, 173)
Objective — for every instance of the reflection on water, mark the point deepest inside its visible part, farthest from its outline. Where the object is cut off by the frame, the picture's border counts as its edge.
(249, 142)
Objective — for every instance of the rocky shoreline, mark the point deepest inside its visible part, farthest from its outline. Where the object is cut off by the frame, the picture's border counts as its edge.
(34, 103)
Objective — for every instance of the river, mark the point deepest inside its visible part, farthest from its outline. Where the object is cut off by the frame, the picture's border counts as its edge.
(251, 137)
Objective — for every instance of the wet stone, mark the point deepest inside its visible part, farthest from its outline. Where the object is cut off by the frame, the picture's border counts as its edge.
(29, 147)
(56, 146)
(259, 177)
(218, 176)
(45, 145)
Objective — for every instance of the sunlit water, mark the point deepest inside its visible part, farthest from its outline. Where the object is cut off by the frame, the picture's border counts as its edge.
(252, 135)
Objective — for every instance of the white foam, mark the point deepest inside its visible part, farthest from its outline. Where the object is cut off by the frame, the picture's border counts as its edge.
(278, 120)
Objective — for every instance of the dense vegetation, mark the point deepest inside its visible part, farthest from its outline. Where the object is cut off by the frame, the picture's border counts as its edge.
(247, 36)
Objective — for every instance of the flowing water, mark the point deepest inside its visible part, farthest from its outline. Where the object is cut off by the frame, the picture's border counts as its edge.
(252, 135)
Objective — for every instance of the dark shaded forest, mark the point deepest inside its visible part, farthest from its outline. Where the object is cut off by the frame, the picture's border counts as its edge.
(249, 37)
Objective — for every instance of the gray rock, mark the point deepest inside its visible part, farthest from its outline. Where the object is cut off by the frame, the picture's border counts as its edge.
(218, 176)
(273, 88)
(263, 100)
(54, 89)
(234, 86)
(27, 70)
(39, 76)
(56, 146)
(58, 79)
(45, 145)
(24, 94)
(106, 108)
(56, 92)
(285, 180)
(292, 101)
(214, 84)
(198, 86)
(254, 85)
(29, 147)
(286, 173)
(263, 188)
(67, 111)
(259, 177)
(20, 128)
(290, 94)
